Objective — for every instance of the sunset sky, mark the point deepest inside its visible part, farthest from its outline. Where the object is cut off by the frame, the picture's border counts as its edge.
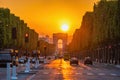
(47, 16)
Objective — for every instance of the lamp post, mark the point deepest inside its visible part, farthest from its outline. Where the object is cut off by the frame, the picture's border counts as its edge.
(26, 43)
(14, 56)
(45, 50)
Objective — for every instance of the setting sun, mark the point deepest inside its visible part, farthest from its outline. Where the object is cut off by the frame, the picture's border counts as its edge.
(65, 27)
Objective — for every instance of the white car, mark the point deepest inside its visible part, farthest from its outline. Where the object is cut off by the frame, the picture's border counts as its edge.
(22, 60)
(41, 59)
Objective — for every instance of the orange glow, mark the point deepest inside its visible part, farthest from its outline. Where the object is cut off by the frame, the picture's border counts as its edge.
(66, 70)
(45, 16)
(65, 27)
(60, 44)
(26, 35)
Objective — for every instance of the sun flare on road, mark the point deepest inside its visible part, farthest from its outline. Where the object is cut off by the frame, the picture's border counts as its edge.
(65, 27)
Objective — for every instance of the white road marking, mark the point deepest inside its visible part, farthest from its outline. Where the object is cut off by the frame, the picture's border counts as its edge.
(96, 69)
(58, 73)
(112, 74)
(81, 68)
(45, 72)
(59, 68)
(73, 68)
(64, 73)
(79, 73)
(101, 74)
(90, 74)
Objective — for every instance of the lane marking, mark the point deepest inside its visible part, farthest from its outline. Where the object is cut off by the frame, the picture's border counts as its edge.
(101, 74)
(73, 68)
(64, 73)
(96, 69)
(45, 72)
(58, 73)
(90, 74)
(112, 74)
(79, 73)
(59, 68)
(81, 68)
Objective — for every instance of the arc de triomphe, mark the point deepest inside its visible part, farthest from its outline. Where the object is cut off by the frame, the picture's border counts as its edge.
(63, 37)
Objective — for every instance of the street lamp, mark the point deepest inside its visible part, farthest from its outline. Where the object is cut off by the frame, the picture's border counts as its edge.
(26, 38)
(14, 57)
(26, 43)
(45, 50)
(38, 52)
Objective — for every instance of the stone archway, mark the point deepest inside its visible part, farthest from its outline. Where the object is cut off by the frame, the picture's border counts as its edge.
(63, 37)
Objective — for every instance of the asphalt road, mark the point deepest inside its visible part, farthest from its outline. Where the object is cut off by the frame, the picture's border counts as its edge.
(62, 70)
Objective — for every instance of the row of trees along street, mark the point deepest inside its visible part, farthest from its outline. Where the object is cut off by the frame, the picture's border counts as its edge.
(15, 34)
(99, 33)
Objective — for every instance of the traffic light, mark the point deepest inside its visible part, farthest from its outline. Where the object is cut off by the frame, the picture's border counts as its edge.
(26, 38)
(14, 33)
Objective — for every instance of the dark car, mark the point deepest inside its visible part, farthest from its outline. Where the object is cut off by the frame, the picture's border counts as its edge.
(66, 56)
(88, 60)
(74, 60)
(6, 57)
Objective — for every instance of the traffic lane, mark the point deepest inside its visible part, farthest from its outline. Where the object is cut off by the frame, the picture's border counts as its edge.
(56, 75)
(61, 70)
(56, 70)
(97, 70)
(101, 69)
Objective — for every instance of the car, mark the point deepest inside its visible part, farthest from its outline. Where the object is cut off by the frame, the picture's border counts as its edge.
(4, 59)
(66, 57)
(74, 60)
(22, 60)
(49, 58)
(41, 59)
(7, 57)
(33, 60)
(88, 60)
